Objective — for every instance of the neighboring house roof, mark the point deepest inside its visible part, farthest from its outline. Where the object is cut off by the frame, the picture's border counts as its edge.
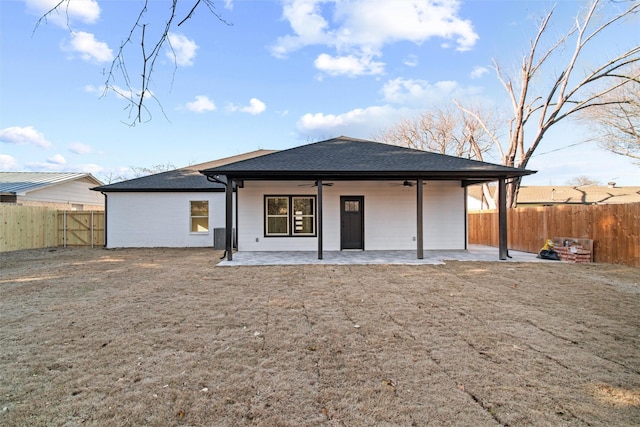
(589, 194)
(351, 158)
(184, 179)
(20, 183)
(565, 194)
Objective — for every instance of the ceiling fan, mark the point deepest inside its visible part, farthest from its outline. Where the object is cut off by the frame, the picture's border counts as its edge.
(315, 184)
(407, 183)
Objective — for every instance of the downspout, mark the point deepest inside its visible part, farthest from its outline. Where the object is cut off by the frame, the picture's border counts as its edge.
(105, 219)
(234, 236)
(419, 219)
(466, 218)
(213, 179)
(228, 252)
(228, 231)
(503, 252)
(319, 219)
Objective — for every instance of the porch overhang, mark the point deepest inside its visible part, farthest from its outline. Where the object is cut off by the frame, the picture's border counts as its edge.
(349, 159)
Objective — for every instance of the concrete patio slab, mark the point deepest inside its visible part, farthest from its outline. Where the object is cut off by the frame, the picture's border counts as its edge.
(473, 253)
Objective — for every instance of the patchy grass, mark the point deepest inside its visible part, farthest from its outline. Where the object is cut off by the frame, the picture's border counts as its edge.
(163, 337)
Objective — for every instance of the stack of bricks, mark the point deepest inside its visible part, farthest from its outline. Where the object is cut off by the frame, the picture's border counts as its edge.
(574, 253)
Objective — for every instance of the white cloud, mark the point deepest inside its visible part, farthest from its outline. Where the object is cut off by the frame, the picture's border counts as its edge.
(306, 22)
(255, 107)
(91, 168)
(182, 50)
(89, 48)
(86, 11)
(44, 167)
(79, 148)
(57, 159)
(201, 104)
(23, 136)
(362, 122)
(8, 163)
(349, 65)
(403, 98)
(363, 27)
(412, 92)
(52, 167)
(478, 72)
(411, 61)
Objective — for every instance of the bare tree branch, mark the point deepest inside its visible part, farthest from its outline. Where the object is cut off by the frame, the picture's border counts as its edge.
(54, 9)
(615, 125)
(441, 130)
(567, 95)
(150, 51)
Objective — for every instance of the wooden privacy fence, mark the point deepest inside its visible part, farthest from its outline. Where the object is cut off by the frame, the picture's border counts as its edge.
(614, 229)
(85, 228)
(32, 227)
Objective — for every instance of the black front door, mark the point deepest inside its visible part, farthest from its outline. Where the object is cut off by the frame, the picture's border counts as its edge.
(352, 222)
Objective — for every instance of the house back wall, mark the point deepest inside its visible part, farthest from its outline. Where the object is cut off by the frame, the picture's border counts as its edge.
(160, 219)
(390, 215)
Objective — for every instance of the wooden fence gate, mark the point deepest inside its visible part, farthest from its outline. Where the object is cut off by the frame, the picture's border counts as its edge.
(84, 228)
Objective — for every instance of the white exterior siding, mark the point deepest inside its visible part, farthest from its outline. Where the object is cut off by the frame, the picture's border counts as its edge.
(251, 217)
(444, 216)
(161, 219)
(389, 215)
(67, 193)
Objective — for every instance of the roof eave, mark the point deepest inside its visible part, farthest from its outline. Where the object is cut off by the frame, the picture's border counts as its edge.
(472, 177)
(158, 190)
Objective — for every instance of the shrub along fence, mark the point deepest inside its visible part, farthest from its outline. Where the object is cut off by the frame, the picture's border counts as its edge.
(614, 229)
(32, 227)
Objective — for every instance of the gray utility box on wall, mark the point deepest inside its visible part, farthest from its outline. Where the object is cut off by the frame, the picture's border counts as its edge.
(220, 238)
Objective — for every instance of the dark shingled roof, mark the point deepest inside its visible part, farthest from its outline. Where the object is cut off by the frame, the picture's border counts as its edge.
(183, 179)
(350, 158)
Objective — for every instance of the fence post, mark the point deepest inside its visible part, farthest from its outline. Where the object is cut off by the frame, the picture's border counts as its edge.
(91, 229)
(64, 229)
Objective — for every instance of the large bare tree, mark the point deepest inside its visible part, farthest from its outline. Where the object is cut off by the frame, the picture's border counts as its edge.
(576, 85)
(442, 130)
(616, 126)
(445, 130)
(136, 86)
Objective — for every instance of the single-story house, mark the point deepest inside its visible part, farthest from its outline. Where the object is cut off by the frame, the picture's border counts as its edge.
(59, 190)
(550, 195)
(351, 194)
(178, 208)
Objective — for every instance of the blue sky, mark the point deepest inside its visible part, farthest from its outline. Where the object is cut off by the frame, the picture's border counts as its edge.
(282, 74)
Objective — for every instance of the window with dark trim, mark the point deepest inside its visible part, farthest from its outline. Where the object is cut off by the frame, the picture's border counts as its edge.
(289, 216)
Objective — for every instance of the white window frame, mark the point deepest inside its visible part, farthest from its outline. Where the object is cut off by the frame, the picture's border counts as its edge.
(192, 217)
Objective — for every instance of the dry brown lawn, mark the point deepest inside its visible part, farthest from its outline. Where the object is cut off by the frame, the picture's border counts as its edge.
(164, 337)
